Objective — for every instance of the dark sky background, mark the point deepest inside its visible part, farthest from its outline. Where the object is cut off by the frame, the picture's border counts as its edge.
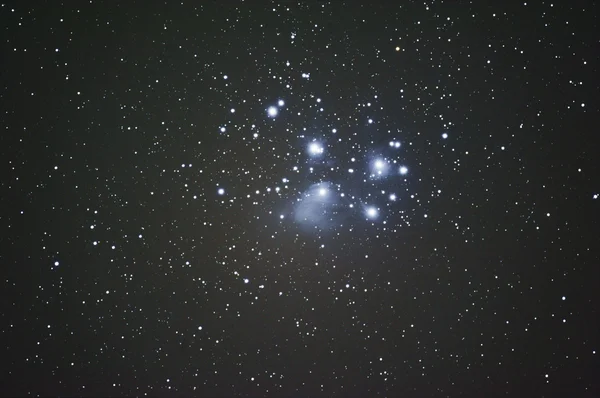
(309, 199)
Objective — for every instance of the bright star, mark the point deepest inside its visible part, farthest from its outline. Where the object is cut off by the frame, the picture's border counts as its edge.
(379, 167)
(221, 191)
(272, 111)
(403, 170)
(314, 148)
(371, 212)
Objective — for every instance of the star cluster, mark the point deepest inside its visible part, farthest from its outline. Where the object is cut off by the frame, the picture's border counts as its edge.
(341, 195)
(325, 199)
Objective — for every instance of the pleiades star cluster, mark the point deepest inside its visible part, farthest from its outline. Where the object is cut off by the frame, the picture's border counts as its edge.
(300, 199)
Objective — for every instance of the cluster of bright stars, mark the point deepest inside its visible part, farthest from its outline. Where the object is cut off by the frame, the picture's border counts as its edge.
(379, 167)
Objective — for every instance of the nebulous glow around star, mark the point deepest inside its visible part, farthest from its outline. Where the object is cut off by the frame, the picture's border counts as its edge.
(272, 111)
(379, 167)
(403, 170)
(371, 212)
(315, 149)
(316, 207)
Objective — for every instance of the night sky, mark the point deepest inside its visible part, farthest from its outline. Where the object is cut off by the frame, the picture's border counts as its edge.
(310, 199)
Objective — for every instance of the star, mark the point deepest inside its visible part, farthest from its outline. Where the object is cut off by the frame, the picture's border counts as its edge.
(379, 168)
(371, 212)
(315, 149)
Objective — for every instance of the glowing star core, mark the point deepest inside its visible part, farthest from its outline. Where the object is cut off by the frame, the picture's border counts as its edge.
(221, 191)
(314, 148)
(403, 170)
(379, 167)
(272, 111)
(371, 212)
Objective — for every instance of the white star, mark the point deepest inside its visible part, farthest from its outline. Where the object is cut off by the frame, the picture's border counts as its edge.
(272, 111)
(314, 148)
(371, 212)
(403, 170)
(379, 167)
